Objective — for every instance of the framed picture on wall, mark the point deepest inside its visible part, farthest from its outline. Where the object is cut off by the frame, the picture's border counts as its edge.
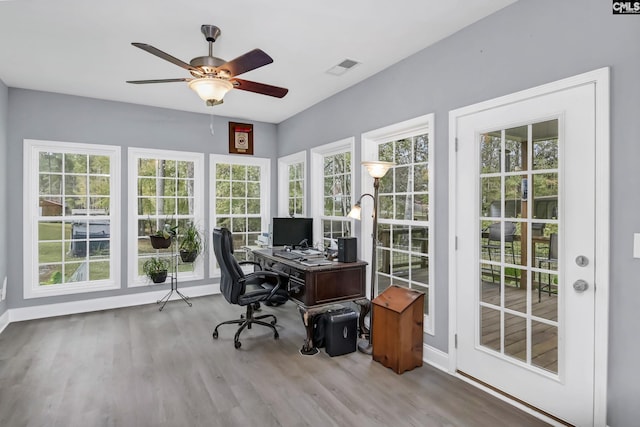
(240, 138)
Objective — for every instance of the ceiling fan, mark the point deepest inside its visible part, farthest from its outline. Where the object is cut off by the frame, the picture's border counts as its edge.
(214, 77)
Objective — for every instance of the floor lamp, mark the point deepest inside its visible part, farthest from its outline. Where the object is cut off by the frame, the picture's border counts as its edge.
(377, 170)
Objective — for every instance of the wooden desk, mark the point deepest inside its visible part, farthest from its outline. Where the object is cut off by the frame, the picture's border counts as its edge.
(315, 288)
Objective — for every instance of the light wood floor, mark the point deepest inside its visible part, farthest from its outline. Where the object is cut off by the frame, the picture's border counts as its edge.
(141, 367)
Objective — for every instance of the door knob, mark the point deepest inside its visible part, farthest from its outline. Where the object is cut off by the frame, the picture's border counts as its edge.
(580, 285)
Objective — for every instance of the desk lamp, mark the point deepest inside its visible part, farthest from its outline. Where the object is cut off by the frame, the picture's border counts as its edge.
(377, 170)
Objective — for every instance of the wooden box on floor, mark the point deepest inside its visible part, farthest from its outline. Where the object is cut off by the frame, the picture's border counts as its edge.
(397, 328)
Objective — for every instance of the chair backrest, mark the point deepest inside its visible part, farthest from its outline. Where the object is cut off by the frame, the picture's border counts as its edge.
(553, 246)
(495, 231)
(231, 284)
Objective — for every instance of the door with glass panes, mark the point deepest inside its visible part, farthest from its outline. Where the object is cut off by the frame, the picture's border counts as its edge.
(524, 221)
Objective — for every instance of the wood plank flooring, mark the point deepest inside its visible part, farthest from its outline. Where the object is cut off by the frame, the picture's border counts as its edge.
(141, 367)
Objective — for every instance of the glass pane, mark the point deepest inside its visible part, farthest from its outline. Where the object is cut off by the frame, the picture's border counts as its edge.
(403, 151)
(515, 336)
(544, 346)
(238, 206)
(239, 189)
(515, 196)
(421, 148)
(401, 207)
(147, 167)
(490, 328)
(50, 184)
(99, 270)
(402, 179)
(75, 163)
(50, 162)
(50, 274)
(490, 284)
(383, 283)
(76, 272)
(223, 171)
(50, 230)
(490, 196)
(99, 164)
(75, 206)
(49, 252)
(75, 185)
(99, 185)
(490, 153)
(419, 269)
(545, 195)
(515, 292)
(421, 178)
(545, 301)
(545, 145)
(515, 146)
(385, 207)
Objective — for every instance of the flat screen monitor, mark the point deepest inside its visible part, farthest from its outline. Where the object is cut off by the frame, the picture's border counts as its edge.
(292, 232)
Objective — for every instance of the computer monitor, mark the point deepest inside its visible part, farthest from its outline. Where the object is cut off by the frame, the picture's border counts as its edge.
(292, 232)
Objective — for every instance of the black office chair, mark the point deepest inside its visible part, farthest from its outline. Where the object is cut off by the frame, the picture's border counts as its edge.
(546, 263)
(234, 282)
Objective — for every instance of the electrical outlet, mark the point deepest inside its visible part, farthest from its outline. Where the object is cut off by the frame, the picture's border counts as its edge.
(3, 296)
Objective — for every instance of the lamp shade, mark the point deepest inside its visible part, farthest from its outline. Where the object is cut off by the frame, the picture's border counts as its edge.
(210, 89)
(377, 169)
(355, 211)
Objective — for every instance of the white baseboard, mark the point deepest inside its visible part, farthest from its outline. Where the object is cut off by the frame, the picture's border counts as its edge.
(436, 358)
(97, 304)
(4, 320)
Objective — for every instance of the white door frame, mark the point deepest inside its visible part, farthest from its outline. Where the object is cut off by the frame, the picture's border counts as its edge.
(601, 326)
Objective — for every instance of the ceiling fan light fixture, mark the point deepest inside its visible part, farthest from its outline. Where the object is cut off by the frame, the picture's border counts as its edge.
(210, 89)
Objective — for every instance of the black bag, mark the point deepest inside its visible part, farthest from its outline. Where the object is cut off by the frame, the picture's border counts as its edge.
(319, 328)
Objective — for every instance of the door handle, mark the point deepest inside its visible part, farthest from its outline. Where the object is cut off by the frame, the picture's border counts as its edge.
(580, 285)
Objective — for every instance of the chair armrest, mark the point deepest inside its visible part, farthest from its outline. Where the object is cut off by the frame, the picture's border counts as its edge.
(249, 262)
(265, 274)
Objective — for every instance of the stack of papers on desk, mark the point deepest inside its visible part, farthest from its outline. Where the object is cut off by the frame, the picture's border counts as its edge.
(315, 262)
(308, 253)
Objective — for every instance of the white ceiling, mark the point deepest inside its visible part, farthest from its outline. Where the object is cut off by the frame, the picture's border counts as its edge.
(83, 47)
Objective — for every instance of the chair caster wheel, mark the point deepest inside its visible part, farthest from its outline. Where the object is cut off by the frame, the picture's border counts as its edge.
(276, 335)
(215, 335)
(237, 344)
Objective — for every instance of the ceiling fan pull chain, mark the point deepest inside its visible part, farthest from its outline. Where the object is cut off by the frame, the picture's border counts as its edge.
(211, 126)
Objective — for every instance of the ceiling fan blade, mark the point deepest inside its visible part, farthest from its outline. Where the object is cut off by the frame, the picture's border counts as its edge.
(160, 54)
(141, 82)
(264, 89)
(247, 62)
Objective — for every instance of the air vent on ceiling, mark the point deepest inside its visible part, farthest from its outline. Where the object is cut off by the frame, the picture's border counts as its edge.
(342, 67)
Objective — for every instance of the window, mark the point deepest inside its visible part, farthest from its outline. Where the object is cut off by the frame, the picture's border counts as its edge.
(165, 187)
(292, 185)
(240, 193)
(332, 172)
(71, 208)
(405, 238)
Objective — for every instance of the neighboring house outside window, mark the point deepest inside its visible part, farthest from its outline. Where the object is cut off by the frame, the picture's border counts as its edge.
(166, 187)
(71, 228)
(331, 180)
(405, 208)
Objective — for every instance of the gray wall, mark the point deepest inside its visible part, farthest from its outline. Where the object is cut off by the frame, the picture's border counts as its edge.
(529, 43)
(4, 178)
(49, 116)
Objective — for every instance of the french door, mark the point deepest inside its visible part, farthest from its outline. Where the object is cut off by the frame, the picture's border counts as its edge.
(525, 263)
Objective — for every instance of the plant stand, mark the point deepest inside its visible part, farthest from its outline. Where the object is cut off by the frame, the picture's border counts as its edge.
(174, 280)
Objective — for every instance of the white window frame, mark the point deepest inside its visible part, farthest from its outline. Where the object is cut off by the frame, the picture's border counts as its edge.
(317, 180)
(265, 196)
(370, 140)
(135, 277)
(283, 182)
(32, 149)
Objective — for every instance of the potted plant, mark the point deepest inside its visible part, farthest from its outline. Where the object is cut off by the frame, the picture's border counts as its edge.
(190, 243)
(161, 239)
(156, 269)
